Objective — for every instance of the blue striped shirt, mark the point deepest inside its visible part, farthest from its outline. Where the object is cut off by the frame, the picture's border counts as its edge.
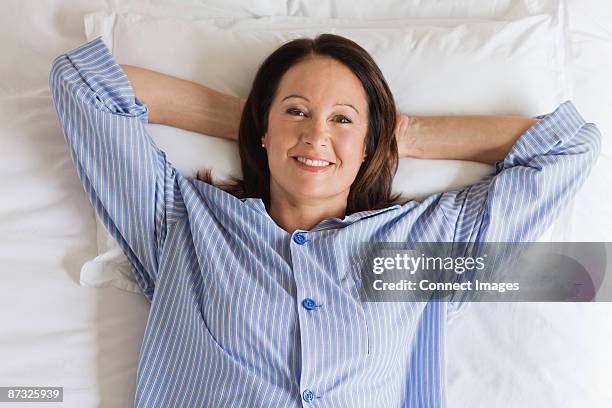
(244, 314)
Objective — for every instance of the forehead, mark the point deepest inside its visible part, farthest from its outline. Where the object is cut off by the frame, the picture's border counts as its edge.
(322, 77)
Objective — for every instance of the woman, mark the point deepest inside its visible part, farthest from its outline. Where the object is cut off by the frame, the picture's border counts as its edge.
(254, 293)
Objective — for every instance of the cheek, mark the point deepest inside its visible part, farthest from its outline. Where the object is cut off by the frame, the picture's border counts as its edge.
(281, 135)
(351, 164)
(351, 153)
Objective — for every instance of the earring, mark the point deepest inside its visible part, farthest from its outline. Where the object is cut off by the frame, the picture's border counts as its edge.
(263, 145)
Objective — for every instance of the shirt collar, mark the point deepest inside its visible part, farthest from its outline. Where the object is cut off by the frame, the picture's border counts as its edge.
(369, 213)
(255, 203)
(258, 205)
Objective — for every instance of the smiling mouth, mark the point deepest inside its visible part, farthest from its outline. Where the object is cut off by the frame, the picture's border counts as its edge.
(312, 165)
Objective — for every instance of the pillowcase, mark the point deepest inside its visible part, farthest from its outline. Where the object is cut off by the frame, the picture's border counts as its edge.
(469, 67)
(392, 9)
(249, 7)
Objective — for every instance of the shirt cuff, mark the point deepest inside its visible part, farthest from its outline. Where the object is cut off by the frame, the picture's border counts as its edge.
(99, 70)
(552, 130)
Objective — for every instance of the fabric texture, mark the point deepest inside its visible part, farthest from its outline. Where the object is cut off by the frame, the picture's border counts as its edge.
(244, 313)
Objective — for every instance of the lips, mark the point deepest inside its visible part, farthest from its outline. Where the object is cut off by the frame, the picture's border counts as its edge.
(311, 157)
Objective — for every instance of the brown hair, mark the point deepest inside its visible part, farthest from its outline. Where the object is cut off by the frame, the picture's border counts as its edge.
(372, 186)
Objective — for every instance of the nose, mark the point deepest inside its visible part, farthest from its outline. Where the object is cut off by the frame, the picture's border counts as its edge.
(315, 132)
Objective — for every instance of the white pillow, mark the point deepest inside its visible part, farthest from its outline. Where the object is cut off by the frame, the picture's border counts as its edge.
(495, 67)
(250, 7)
(391, 9)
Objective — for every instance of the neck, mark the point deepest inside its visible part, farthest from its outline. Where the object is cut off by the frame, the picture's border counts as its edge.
(304, 216)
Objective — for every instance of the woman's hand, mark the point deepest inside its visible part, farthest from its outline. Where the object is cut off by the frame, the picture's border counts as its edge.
(481, 138)
(405, 135)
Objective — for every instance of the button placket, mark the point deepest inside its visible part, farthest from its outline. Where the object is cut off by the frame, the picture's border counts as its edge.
(300, 250)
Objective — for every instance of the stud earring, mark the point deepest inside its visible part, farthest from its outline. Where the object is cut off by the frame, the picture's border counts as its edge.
(263, 145)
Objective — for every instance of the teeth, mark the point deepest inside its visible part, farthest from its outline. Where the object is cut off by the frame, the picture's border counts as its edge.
(316, 163)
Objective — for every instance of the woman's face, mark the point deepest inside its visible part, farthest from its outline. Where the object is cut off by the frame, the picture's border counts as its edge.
(319, 112)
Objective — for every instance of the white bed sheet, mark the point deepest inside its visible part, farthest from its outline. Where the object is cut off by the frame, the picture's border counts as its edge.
(55, 332)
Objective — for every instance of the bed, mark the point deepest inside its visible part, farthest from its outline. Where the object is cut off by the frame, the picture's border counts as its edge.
(73, 319)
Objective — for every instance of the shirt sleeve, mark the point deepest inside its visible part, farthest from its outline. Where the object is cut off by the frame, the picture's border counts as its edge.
(539, 176)
(126, 176)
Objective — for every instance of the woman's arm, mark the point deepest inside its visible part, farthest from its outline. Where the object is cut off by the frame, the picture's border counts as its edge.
(125, 175)
(479, 138)
(184, 104)
(188, 105)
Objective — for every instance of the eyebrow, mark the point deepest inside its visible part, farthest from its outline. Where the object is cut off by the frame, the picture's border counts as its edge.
(306, 99)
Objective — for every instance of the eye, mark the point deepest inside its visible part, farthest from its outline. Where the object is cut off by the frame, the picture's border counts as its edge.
(343, 119)
(294, 111)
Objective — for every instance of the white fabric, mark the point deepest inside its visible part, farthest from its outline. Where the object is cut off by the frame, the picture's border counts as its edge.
(466, 67)
(55, 332)
(390, 9)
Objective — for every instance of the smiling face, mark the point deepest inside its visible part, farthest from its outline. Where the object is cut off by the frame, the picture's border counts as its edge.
(319, 112)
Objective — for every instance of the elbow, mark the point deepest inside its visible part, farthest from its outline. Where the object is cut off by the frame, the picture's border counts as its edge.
(591, 136)
(586, 149)
(56, 73)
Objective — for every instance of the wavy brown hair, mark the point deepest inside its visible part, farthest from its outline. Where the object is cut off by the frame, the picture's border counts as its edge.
(372, 186)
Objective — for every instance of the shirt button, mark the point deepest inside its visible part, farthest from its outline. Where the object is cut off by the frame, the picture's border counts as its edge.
(299, 238)
(309, 304)
(308, 395)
